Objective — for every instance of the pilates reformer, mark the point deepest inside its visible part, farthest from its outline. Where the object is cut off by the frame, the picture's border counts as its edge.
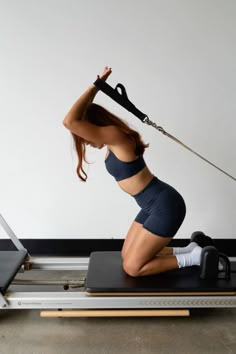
(107, 291)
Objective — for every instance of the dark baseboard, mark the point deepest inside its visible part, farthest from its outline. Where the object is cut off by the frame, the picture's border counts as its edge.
(84, 247)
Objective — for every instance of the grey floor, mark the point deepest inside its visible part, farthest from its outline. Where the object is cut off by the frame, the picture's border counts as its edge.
(205, 331)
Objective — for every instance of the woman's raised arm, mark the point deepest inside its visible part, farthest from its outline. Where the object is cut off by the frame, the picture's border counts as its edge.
(77, 110)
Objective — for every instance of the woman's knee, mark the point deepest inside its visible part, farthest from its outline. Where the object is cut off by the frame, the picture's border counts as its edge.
(131, 268)
(124, 253)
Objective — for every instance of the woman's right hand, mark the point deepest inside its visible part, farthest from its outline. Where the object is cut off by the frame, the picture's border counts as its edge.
(106, 72)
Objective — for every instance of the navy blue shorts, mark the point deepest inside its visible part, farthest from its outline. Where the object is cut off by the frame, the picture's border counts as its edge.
(162, 208)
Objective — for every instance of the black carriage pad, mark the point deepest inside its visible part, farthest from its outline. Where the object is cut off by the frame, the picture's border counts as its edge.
(106, 275)
(10, 263)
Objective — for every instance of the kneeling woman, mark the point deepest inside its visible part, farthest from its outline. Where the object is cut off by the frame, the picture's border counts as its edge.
(162, 207)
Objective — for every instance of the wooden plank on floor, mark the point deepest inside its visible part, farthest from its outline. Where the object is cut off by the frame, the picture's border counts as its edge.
(116, 313)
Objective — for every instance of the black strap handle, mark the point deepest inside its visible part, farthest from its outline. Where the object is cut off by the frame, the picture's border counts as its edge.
(122, 98)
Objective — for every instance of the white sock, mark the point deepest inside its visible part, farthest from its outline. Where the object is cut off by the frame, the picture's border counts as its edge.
(189, 259)
(192, 258)
(187, 249)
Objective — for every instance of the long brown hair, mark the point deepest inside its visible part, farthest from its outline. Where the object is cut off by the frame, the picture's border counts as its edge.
(101, 117)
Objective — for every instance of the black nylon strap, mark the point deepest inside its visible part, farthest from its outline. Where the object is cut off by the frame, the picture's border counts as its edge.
(123, 100)
(120, 98)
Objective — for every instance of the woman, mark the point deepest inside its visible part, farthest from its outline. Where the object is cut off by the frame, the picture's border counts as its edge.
(162, 208)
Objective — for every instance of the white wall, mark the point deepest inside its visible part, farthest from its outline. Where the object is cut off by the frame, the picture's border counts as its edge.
(177, 61)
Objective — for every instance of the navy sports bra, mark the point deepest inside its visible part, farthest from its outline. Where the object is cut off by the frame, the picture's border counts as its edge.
(121, 169)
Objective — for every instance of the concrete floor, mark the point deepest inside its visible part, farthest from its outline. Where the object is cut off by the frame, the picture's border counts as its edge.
(205, 331)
